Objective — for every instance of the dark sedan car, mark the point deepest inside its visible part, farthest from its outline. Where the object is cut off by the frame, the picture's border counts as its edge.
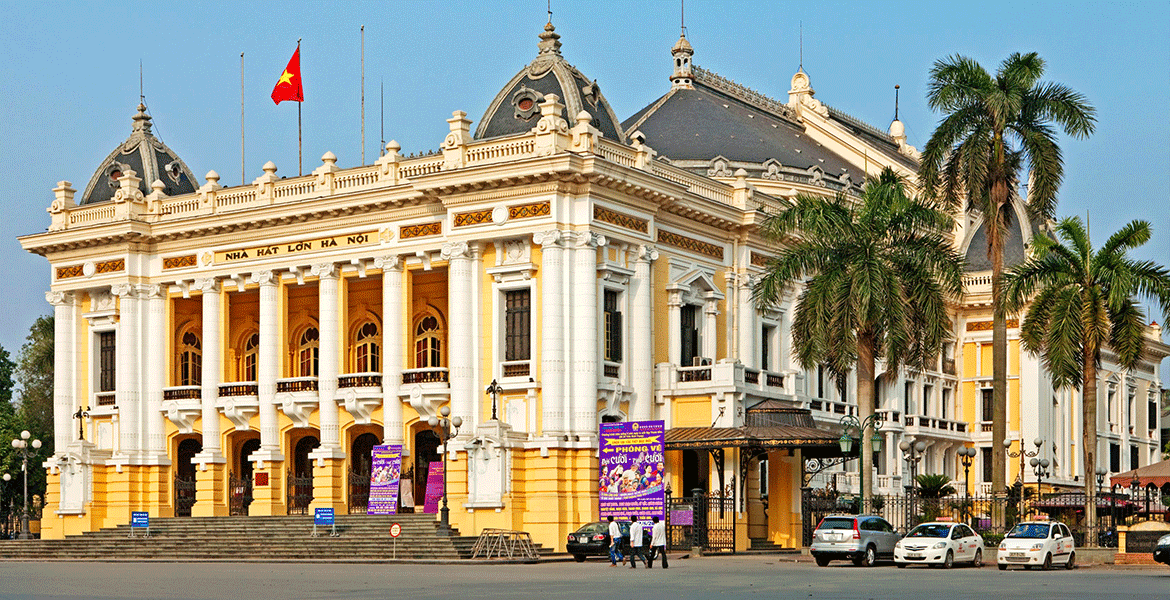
(592, 539)
(1162, 550)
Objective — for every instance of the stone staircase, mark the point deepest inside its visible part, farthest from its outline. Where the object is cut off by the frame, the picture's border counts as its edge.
(362, 538)
(765, 546)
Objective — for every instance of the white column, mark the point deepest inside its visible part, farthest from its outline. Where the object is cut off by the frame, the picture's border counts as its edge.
(641, 358)
(267, 360)
(393, 335)
(329, 364)
(552, 323)
(127, 368)
(584, 343)
(212, 351)
(710, 331)
(674, 305)
(63, 327)
(156, 319)
(460, 336)
(749, 326)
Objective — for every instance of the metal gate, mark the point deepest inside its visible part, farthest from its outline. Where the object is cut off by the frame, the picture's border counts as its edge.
(300, 494)
(701, 521)
(359, 493)
(241, 495)
(184, 496)
(814, 505)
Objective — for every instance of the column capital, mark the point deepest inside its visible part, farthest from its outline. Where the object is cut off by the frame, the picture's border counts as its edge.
(151, 291)
(392, 262)
(122, 289)
(646, 253)
(264, 278)
(326, 270)
(207, 285)
(584, 239)
(59, 298)
(548, 239)
(452, 250)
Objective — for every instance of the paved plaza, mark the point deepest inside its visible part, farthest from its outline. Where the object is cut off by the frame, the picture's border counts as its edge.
(723, 577)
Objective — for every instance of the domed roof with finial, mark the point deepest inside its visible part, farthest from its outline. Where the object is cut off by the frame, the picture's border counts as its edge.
(148, 157)
(516, 109)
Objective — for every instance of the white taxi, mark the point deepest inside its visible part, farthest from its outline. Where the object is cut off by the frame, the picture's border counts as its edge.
(1037, 544)
(940, 543)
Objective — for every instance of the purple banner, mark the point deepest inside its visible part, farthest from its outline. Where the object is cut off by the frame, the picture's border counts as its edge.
(631, 480)
(385, 473)
(434, 488)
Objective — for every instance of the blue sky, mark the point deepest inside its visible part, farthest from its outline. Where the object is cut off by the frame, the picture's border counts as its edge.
(71, 83)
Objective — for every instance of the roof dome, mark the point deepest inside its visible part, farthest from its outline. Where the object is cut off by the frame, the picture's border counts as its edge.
(516, 109)
(147, 156)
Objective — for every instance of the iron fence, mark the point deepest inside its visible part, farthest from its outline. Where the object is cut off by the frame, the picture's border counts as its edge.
(241, 495)
(700, 521)
(300, 494)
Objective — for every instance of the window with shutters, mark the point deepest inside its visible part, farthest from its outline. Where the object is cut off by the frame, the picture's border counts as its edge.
(428, 343)
(613, 327)
(308, 351)
(766, 334)
(190, 363)
(1115, 458)
(250, 355)
(107, 361)
(517, 324)
(988, 403)
(985, 454)
(366, 350)
(689, 334)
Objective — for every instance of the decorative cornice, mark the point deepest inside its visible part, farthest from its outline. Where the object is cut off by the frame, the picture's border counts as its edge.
(407, 232)
(70, 271)
(530, 210)
(759, 260)
(111, 266)
(475, 217)
(179, 262)
(691, 244)
(615, 218)
(987, 325)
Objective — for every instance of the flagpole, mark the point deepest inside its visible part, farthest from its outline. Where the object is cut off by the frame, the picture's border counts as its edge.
(243, 171)
(363, 95)
(382, 126)
(300, 155)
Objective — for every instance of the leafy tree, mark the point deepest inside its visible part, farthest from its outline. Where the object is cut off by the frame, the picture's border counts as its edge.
(1080, 300)
(34, 373)
(993, 127)
(880, 273)
(934, 486)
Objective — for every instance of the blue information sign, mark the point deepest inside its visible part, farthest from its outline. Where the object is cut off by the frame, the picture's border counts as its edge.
(139, 519)
(323, 516)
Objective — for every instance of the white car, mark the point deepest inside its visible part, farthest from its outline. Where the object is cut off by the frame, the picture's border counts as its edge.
(1037, 544)
(940, 543)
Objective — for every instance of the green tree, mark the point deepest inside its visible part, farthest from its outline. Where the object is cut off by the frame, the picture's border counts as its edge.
(1080, 300)
(934, 486)
(879, 271)
(993, 128)
(34, 373)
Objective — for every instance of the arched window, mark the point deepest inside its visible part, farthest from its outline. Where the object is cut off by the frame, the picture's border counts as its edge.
(428, 343)
(190, 360)
(366, 351)
(307, 351)
(250, 354)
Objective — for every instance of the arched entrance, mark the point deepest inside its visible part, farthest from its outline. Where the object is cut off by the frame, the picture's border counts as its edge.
(360, 463)
(426, 451)
(300, 480)
(240, 482)
(185, 476)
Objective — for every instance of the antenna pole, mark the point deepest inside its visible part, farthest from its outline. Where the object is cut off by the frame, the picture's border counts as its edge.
(896, 87)
(243, 171)
(363, 94)
(550, 11)
(141, 95)
(801, 46)
(682, 14)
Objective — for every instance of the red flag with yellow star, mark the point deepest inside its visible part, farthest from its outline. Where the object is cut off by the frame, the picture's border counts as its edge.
(289, 85)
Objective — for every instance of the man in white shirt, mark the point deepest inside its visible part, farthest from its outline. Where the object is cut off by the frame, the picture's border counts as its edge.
(657, 543)
(615, 543)
(636, 535)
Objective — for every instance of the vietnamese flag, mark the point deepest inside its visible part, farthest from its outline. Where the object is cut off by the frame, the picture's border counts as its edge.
(289, 85)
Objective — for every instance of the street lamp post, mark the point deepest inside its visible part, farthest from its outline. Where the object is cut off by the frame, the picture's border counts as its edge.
(21, 445)
(1022, 454)
(911, 453)
(1101, 473)
(1040, 468)
(966, 457)
(495, 390)
(448, 428)
(1135, 484)
(849, 424)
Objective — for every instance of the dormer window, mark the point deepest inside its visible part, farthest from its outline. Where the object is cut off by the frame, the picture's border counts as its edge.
(526, 103)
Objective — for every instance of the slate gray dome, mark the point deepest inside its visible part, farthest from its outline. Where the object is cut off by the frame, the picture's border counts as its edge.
(516, 109)
(147, 156)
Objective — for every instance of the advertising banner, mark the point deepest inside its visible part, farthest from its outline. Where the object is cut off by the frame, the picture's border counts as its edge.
(631, 478)
(434, 487)
(385, 473)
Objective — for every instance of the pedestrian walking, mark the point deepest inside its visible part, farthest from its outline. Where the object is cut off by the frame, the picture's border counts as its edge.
(615, 543)
(636, 538)
(657, 543)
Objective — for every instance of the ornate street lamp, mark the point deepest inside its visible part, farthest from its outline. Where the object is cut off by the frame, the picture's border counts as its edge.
(1101, 473)
(495, 390)
(21, 445)
(1022, 454)
(849, 424)
(448, 428)
(1135, 484)
(966, 457)
(1040, 468)
(911, 453)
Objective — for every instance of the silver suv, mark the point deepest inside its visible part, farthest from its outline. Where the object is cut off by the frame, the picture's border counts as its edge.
(861, 538)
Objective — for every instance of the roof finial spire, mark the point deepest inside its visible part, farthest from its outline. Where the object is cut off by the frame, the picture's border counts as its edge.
(896, 88)
(682, 17)
(550, 11)
(141, 94)
(682, 52)
(800, 67)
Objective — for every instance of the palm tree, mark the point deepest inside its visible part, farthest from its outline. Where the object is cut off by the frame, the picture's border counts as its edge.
(993, 127)
(880, 273)
(1079, 300)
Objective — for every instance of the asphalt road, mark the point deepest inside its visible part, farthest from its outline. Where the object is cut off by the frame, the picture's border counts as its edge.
(722, 577)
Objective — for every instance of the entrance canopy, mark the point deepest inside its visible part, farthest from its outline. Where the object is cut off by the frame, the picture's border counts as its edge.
(769, 425)
(1157, 474)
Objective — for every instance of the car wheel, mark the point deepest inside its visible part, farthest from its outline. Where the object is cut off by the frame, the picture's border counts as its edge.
(822, 562)
(900, 565)
(949, 561)
(869, 559)
(978, 562)
(1047, 562)
(1002, 567)
(579, 557)
(1072, 561)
